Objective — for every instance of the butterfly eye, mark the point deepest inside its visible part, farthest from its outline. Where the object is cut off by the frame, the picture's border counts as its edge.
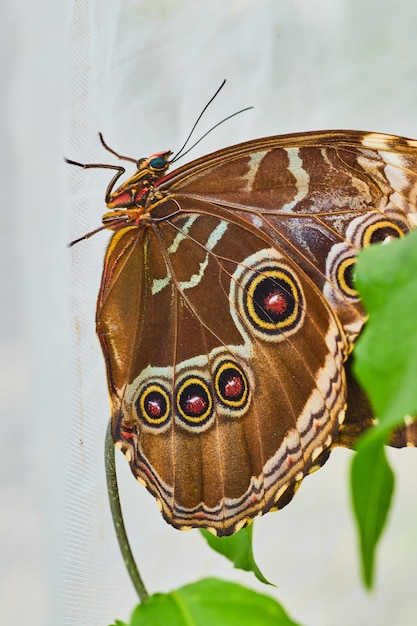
(158, 163)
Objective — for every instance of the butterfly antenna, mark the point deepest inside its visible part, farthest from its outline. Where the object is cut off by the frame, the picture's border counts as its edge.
(176, 156)
(180, 152)
(179, 155)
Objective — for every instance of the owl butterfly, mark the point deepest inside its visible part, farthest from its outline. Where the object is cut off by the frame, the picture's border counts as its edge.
(227, 313)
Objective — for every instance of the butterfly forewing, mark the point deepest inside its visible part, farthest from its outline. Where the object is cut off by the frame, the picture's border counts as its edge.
(227, 310)
(320, 196)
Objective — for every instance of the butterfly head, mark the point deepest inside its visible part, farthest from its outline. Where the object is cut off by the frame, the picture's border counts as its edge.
(135, 190)
(156, 165)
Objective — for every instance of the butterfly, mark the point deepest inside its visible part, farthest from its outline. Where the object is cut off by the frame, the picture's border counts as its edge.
(227, 312)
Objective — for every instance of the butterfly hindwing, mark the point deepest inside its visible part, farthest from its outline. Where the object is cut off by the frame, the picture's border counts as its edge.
(227, 380)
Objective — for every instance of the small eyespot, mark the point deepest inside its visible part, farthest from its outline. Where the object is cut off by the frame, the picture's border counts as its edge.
(194, 402)
(231, 385)
(345, 274)
(361, 232)
(375, 227)
(340, 272)
(153, 405)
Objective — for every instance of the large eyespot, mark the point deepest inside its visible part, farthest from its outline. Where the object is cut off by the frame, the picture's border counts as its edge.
(194, 403)
(231, 386)
(273, 301)
(153, 406)
(267, 296)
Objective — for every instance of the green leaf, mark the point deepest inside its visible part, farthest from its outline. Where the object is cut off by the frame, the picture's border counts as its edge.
(238, 549)
(372, 483)
(386, 352)
(211, 602)
(386, 366)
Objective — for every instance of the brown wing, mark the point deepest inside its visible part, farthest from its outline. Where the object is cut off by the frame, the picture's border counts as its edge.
(224, 364)
(224, 360)
(321, 197)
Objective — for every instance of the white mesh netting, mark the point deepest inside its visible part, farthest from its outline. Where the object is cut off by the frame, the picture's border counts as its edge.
(140, 72)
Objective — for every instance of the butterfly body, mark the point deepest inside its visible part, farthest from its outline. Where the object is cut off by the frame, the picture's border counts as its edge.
(227, 310)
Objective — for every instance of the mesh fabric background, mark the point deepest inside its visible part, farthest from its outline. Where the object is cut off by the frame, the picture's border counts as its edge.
(140, 72)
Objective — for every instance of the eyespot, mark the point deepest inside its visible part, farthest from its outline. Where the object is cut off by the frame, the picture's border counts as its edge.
(340, 266)
(231, 385)
(267, 296)
(345, 276)
(380, 231)
(361, 232)
(153, 406)
(273, 300)
(374, 227)
(194, 402)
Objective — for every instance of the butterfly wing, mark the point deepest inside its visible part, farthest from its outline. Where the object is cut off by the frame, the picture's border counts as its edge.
(226, 315)
(320, 196)
(224, 365)
(339, 192)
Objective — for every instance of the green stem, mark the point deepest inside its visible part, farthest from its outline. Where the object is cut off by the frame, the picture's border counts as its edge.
(116, 511)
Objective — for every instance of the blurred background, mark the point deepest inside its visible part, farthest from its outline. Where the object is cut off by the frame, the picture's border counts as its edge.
(140, 71)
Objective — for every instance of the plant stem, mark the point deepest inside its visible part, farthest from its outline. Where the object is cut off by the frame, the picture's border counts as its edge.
(116, 511)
